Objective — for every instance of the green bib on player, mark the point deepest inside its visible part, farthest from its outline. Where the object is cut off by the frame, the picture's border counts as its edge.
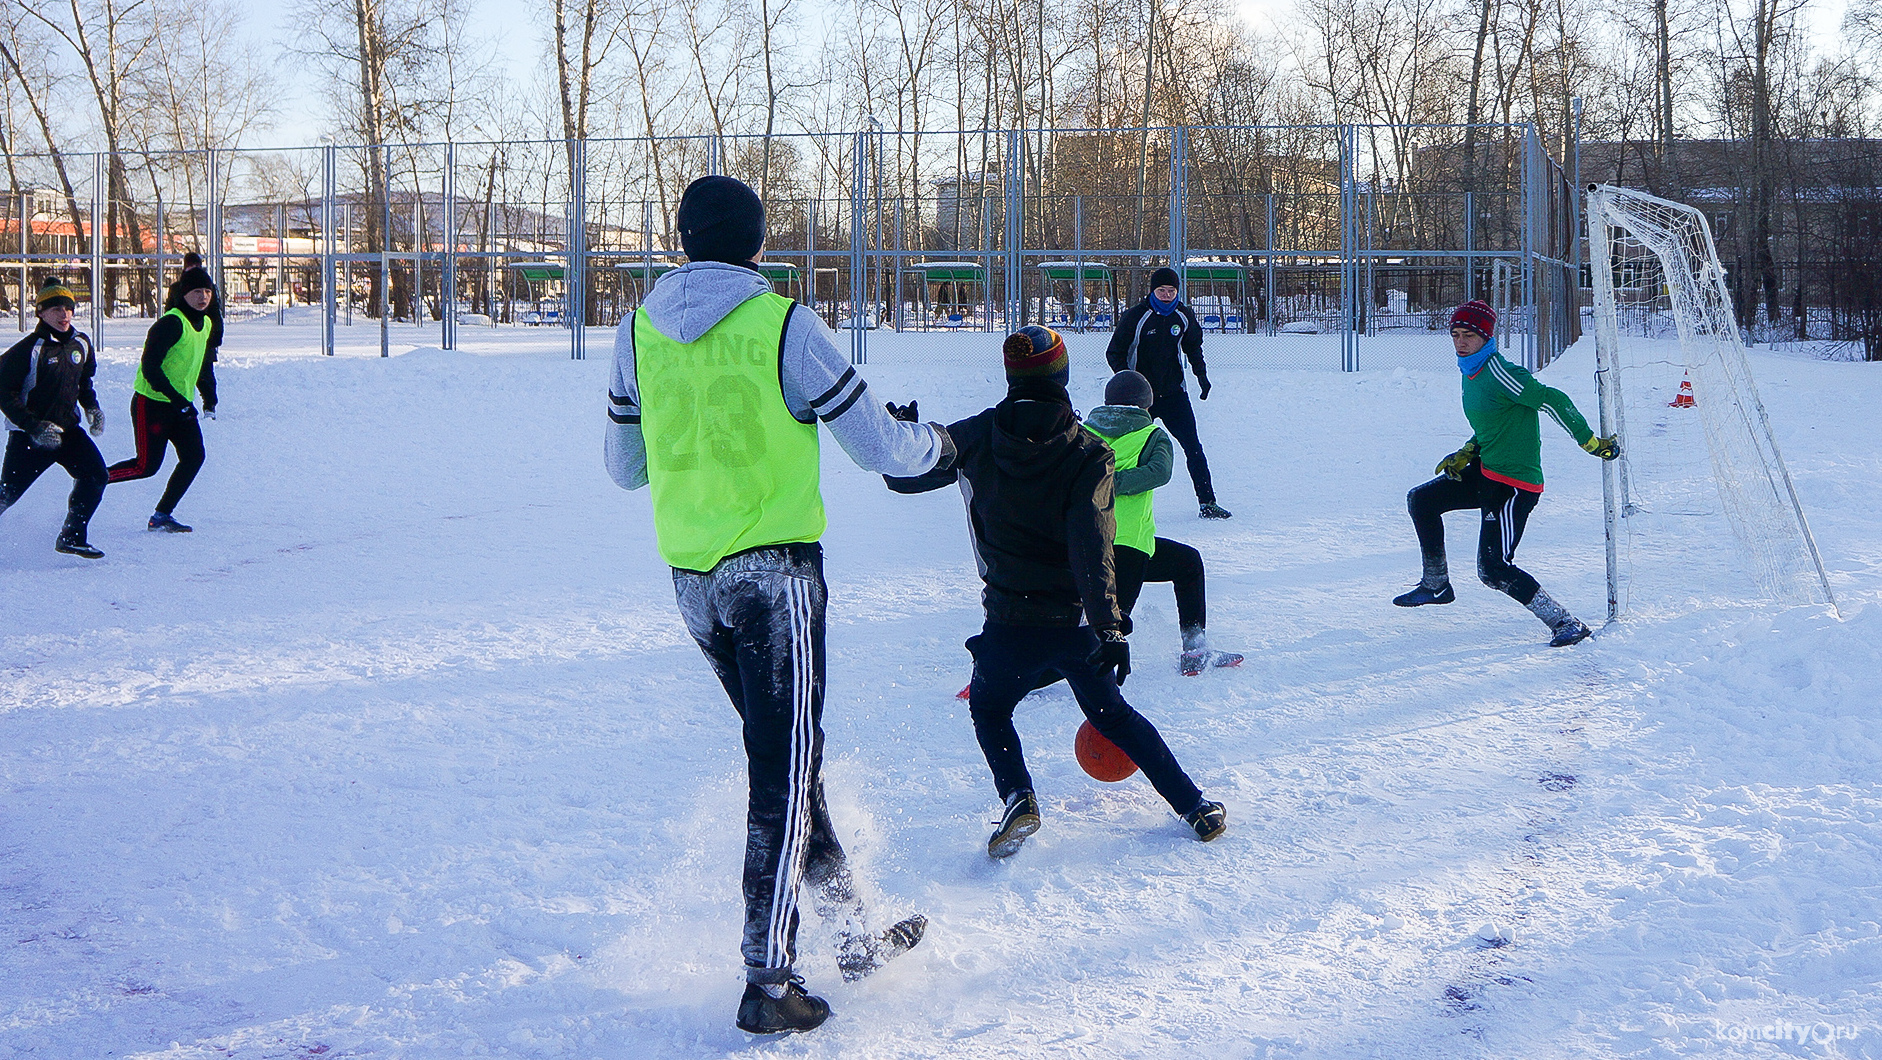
(1136, 520)
(182, 362)
(729, 467)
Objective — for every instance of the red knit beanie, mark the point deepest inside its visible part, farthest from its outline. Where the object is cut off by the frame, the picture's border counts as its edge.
(1035, 352)
(1476, 315)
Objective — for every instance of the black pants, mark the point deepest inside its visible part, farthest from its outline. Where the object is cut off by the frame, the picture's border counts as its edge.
(1172, 562)
(1503, 513)
(154, 424)
(1008, 663)
(759, 617)
(1179, 418)
(80, 458)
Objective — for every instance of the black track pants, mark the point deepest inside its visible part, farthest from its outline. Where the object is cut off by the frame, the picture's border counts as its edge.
(157, 423)
(759, 617)
(1008, 663)
(1172, 562)
(1179, 418)
(1503, 513)
(76, 453)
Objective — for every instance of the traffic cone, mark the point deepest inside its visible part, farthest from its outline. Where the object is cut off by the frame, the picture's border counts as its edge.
(1684, 398)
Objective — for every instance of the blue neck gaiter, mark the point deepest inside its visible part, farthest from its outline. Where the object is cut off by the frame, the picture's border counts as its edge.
(1474, 363)
(1161, 307)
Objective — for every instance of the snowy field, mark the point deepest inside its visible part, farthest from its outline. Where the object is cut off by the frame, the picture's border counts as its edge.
(405, 753)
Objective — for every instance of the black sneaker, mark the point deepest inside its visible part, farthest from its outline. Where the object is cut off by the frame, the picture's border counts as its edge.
(1421, 596)
(167, 523)
(863, 954)
(1209, 820)
(1573, 631)
(1213, 510)
(1020, 820)
(797, 1010)
(76, 546)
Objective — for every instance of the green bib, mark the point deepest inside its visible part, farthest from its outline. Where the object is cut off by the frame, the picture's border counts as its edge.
(729, 467)
(1136, 520)
(182, 363)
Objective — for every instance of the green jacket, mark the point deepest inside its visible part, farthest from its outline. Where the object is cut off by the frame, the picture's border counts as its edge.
(1501, 401)
(1154, 465)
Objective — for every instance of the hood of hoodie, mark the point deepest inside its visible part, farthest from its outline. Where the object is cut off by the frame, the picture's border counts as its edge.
(1034, 430)
(685, 303)
(1116, 421)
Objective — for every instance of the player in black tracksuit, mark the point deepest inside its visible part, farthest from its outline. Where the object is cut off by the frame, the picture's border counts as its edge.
(1039, 500)
(1149, 338)
(44, 380)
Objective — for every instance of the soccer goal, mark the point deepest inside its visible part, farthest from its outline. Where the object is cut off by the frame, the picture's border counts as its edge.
(1673, 383)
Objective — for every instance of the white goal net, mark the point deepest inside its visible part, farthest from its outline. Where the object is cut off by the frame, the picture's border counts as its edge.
(1674, 383)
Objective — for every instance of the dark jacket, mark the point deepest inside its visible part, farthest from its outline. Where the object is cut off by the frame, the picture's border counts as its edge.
(157, 342)
(1039, 504)
(1148, 342)
(46, 377)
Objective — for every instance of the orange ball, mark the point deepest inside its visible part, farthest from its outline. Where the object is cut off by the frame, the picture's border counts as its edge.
(1101, 758)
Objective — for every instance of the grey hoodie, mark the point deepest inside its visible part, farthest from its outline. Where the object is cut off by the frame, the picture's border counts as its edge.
(1154, 464)
(817, 379)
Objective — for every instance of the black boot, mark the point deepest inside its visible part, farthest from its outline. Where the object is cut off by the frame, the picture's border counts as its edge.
(795, 1010)
(862, 954)
(1209, 820)
(72, 541)
(1020, 820)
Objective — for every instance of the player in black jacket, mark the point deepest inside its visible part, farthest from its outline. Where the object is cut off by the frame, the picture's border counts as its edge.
(44, 380)
(1149, 337)
(1039, 502)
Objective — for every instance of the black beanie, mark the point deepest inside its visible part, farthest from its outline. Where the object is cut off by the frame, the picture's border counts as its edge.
(1129, 388)
(193, 279)
(721, 219)
(1164, 277)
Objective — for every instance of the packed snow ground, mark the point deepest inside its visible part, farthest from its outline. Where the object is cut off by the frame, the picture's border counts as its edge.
(405, 753)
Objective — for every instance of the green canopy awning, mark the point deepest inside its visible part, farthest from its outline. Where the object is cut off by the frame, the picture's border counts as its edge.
(1206, 271)
(1069, 270)
(660, 268)
(779, 271)
(538, 271)
(949, 271)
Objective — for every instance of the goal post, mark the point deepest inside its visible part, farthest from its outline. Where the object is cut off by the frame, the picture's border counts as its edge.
(1672, 379)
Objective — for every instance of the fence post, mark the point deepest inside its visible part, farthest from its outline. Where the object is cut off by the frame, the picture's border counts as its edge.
(1015, 176)
(1269, 269)
(810, 255)
(98, 284)
(1349, 343)
(214, 247)
(382, 158)
(280, 264)
(858, 188)
(576, 306)
(1530, 345)
(25, 203)
(329, 295)
(1179, 165)
(447, 287)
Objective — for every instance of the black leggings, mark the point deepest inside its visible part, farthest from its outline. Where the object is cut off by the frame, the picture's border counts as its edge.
(1172, 562)
(1503, 513)
(76, 453)
(156, 423)
(1179, 418)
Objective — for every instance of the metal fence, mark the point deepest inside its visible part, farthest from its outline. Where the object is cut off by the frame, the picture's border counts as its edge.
(1275, 230)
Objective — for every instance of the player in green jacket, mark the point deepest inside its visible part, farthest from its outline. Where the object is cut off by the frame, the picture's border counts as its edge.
(1498, 472)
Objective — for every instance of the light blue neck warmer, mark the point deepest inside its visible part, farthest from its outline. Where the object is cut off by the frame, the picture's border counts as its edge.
(1474, 363)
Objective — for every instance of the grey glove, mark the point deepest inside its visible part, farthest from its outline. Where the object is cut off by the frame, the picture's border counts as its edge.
(95, 419)
(47, 435)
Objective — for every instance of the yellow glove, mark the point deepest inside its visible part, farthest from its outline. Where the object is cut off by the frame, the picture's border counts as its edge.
(1452, 467)
(1606, 448)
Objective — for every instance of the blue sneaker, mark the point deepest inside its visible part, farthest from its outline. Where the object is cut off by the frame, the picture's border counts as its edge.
(1421, 596)
(165, 522)
(1574, 631)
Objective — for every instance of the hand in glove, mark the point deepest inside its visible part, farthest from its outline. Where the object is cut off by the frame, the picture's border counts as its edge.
(1608, 448)
(187, 410)
(48, 435)
(95, 419)
(906, 413)
(1113, 651)
(1452, 467)
(1202, 388)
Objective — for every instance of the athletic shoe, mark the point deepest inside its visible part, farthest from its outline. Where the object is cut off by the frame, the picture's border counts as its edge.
(1573, 631)
(166, 523)
(965, 689)
(1196, 661)
(1214, 511)
(797, 1010)
(862, 954)
(1209, 820)
(76, 546)
(1421, 596)
(1020, 820)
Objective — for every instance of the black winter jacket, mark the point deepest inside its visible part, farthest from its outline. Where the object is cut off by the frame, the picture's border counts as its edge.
(46, 377)
(1148, 342)
(1039, 503)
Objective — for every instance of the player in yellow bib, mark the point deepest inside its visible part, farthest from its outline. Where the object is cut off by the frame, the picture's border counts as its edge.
(176, 367)
(718, 388)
